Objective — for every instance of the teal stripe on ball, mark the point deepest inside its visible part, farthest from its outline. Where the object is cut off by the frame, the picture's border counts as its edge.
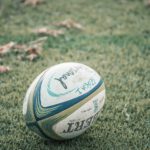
(41, 112)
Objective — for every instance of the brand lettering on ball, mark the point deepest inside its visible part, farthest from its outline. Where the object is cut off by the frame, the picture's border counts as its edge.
(80, 125)
(65, 76)
(63, 81)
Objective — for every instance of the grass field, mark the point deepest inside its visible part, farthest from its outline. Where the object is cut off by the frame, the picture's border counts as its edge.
(115, 42)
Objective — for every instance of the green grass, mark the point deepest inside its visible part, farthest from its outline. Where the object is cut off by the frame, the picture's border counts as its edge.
(115, 42)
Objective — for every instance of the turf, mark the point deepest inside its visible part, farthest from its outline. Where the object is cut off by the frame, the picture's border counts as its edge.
(115, 42)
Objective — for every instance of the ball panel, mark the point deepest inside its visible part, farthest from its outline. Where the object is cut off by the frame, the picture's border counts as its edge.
(67, 81)
(81, 119)
(44, 112)
(48, 123)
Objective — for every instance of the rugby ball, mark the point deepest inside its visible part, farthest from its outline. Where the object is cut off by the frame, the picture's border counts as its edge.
(64, 101)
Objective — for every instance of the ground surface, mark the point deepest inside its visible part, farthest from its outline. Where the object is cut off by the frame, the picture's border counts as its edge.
(115, 42)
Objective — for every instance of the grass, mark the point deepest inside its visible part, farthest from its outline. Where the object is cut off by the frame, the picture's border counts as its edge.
(115, 42)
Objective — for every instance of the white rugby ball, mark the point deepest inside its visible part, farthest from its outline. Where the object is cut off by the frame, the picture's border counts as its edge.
(64, 101)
